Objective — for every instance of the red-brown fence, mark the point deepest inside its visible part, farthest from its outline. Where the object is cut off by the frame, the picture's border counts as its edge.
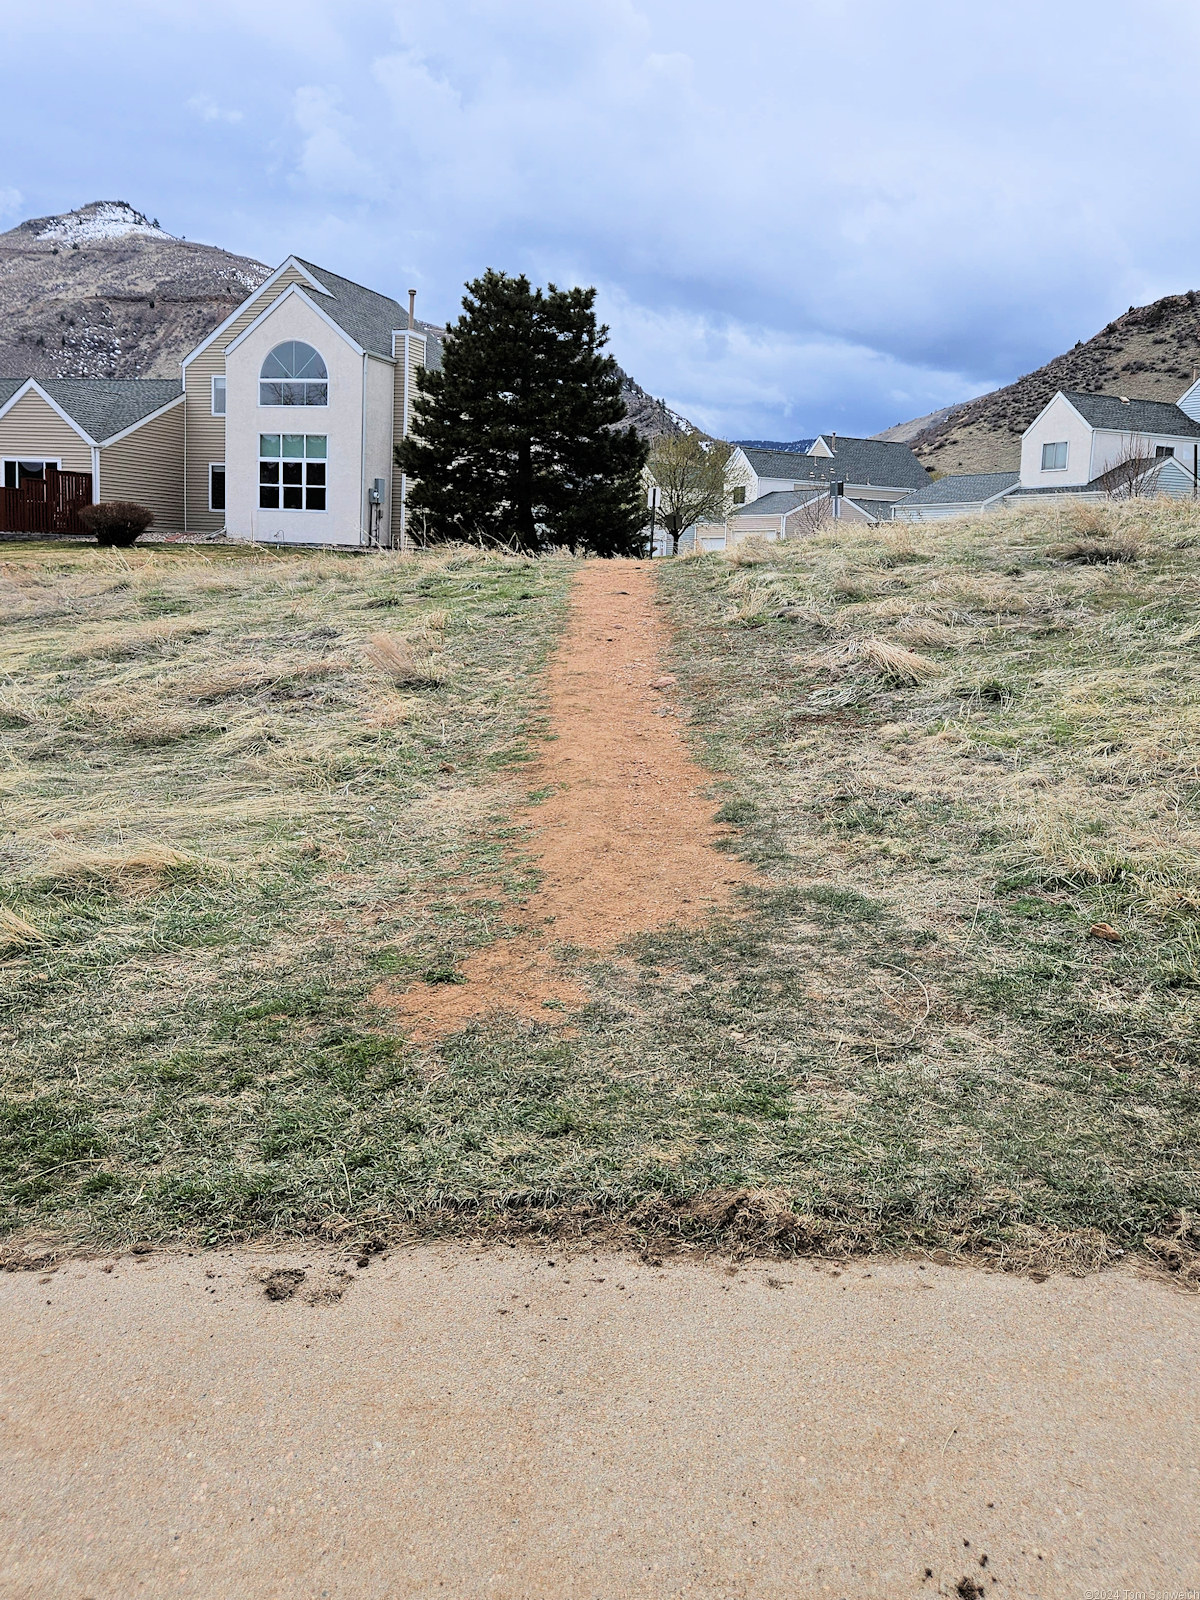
(47, 505)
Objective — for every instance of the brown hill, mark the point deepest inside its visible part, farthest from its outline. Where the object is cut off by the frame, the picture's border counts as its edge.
(104, 292)
(1150, 353)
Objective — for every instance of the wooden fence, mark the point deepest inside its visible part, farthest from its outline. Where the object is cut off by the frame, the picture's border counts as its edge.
(49, 505)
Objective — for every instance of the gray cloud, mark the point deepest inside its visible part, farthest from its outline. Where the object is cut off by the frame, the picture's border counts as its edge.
(798, 215)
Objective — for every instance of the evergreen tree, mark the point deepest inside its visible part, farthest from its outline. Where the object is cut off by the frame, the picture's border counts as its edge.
(517, 438)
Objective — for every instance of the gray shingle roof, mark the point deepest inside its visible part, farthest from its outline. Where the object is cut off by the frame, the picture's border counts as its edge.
(970, 488)
(1109, 411)
(862, 461)
(776, 504)
(877, 510)
(102, 406)
(370, 318)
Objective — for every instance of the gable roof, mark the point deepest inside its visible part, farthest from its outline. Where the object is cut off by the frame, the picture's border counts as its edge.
(1110, 412)
(969, 488)
(875, 461)
(776, 504)
(101, 407)
(368, 317)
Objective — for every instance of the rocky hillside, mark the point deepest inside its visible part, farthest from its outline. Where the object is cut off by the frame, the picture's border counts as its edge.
(1150, 353)
(104, 292)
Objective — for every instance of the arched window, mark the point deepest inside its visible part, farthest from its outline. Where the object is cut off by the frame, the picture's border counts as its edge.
(293, 375)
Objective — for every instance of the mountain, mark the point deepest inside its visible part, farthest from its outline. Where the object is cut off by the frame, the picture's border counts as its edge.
(105, 292)
(798, 447)
(1150, 353)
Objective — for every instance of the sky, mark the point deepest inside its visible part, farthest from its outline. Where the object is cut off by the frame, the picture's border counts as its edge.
(798, 216)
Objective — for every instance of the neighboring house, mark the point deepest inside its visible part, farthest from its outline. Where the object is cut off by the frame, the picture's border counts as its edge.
(1079, 438)
(787, 514)
(283, 430)
(870, 470)
(126, 434)
(1088, 446)
(956, 496)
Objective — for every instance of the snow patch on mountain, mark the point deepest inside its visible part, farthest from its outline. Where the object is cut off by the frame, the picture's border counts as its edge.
(103, 219)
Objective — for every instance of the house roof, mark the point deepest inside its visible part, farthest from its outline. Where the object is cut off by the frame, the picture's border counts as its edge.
(969, 488)
(776, 504)
(102, 407)
(368, 317)
(874, 461)
(877, 510)
(1110, 412)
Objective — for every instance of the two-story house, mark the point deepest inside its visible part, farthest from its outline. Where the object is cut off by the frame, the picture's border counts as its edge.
(1089, 446)
(282, 429)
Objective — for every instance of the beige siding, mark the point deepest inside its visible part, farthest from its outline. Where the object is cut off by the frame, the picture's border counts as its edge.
(204, 433)
(405, 390)
(34, 430)
(147, 466)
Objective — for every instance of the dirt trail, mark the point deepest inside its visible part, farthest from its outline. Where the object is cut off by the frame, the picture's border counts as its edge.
(625, 840)
(519, 1424)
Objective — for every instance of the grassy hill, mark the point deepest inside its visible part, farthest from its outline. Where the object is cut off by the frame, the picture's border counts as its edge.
(959, 1010)
(1150, 353)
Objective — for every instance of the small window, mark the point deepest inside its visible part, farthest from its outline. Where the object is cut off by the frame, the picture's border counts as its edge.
(293, 375)
(216, 486)
(218, 397)
(739, 495)
(1162, 450)
(291, 471)
(1054, 456)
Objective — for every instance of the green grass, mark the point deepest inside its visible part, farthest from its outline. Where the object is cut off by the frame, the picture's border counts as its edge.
(905, 1037)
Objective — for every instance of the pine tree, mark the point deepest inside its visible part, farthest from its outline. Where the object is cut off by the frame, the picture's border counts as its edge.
(517, 438)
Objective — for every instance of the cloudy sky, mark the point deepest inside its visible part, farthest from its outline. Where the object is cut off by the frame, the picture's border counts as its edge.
(799, 216)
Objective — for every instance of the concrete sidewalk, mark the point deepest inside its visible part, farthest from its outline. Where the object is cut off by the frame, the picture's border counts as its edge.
(511, 1424)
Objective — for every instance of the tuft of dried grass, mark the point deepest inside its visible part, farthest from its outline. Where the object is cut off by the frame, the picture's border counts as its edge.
(398, 662)
(145, 863)
(890, 661)
(1099, 552)
(17, 934)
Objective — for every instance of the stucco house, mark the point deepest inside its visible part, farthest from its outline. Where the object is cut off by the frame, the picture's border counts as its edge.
(282, 429)
(1088, 446)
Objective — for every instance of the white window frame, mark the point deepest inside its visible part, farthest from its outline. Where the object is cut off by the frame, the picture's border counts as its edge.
(294, 511)
(294, 405)
(214, 466)
(47, 461)
(1056, 444)
(219, 378)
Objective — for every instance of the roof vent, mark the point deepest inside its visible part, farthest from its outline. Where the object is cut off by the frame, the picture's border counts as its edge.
(1124, 399)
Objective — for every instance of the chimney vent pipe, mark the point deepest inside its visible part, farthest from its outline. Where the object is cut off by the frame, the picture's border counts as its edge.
(412, 312)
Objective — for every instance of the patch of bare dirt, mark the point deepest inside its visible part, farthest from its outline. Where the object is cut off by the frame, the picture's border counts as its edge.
(626, 839)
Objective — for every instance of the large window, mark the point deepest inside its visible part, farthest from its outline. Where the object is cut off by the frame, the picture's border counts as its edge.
(291, 471)
(216, 486)
(18, 472)
(1054, 456)
(293, 375)
(218, 397)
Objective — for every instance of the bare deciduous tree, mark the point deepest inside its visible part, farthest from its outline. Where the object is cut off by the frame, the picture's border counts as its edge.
(692, 476)
(1126, 478)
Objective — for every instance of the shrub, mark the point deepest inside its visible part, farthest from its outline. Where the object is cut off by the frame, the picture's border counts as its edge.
(118, 522)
